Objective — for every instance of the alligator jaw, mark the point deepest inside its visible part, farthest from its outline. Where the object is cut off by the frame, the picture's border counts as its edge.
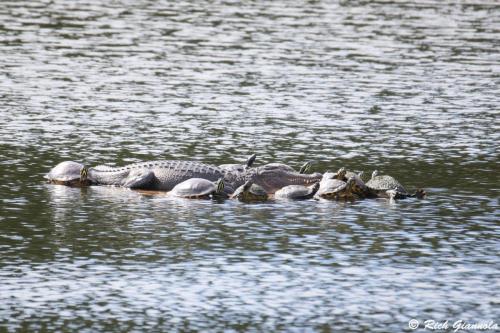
(273, 180)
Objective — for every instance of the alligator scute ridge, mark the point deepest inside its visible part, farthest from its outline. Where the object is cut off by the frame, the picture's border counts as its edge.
(165, 174)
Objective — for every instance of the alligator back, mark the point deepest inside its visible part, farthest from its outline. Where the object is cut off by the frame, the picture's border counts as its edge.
(170, 173)
(167, 173)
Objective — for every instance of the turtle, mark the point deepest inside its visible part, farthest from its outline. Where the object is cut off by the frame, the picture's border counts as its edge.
(344, 174)
(340, 175)
(240, 168)
(249, 192)
(199, 188)
(297, 192)
(69, 173)
(358, 175)
(336, 189)
(388, 187)
(285, 167)
(359, 188)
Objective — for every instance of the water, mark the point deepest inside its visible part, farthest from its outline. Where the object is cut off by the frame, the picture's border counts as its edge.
(411, 89)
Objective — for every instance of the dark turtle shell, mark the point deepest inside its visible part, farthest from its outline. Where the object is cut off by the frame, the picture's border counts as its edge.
(336, 189)
(250, 192)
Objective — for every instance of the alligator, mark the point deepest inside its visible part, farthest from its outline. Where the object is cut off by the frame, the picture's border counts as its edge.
(164, 175)
(155, 175)
(272, 177)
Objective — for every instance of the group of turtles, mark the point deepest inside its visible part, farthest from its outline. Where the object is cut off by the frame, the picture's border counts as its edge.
(343, 185)
(190, 179)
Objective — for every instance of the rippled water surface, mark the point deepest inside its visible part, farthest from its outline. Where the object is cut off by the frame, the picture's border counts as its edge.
(409, 88)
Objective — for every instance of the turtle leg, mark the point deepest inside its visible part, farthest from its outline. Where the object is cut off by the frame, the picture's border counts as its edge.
(141, 178)
(419, 194)
(394, 195)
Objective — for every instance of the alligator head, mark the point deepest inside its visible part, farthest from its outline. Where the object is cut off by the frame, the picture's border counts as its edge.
(273, 177)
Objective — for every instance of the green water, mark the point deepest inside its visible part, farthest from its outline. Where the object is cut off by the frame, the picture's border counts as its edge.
(410, 89)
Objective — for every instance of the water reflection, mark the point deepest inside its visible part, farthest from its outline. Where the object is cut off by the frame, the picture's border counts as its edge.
(407, 88)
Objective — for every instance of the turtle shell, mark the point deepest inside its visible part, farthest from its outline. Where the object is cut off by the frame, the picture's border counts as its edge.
(291, 191)
(330, 185)
(360, 189)
(250, 192)
(385, 183)
(354, 174)
(65, 171)
(194, 187)
(296, 192)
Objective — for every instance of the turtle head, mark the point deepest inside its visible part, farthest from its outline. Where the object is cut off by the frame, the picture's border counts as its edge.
(220, 186)
(248, 184)
(374, 173)
(315, 187)
(351, 183)
(243, 192)
(220, 193)
(341, 174)
(250, 161)
(305, 167)
(69, 173)
(250, 192)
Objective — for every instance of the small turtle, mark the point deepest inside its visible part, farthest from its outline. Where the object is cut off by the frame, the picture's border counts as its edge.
(239, 168)
(199, 188)
(249, 192)
(336, 189)
(69, 173)
(359, 187)
(358, 175)
(381, 185)
(340, 175)
(297, 192)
